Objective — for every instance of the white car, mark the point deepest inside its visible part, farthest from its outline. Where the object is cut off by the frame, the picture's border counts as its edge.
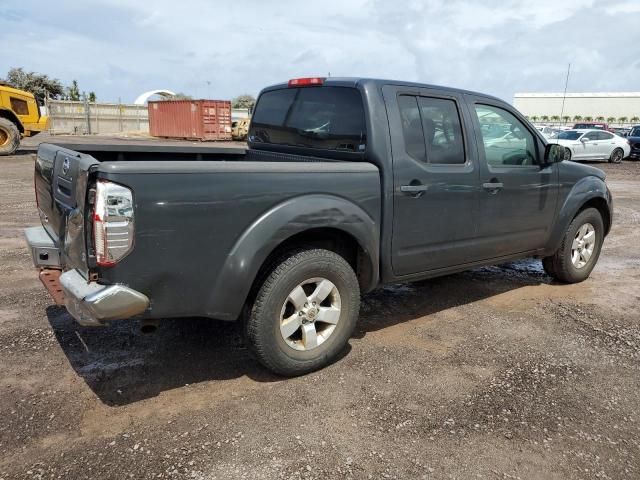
(546, 131)
(592, 145)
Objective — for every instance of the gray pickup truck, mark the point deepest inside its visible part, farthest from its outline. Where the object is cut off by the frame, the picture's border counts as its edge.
(346, 184)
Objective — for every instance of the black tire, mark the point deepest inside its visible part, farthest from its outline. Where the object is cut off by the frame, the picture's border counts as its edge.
(567, 154)
(560, 265)
(616, 156)
(263, 320)
(9, 137)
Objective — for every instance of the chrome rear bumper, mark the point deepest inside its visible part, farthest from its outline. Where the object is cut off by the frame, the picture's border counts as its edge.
(90, 303)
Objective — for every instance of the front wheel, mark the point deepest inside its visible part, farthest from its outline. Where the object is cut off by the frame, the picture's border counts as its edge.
(616, 156)
(579, 250)
(304, 312)
(9, 137)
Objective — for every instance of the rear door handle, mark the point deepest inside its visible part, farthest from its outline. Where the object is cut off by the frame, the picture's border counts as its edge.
(492, 187)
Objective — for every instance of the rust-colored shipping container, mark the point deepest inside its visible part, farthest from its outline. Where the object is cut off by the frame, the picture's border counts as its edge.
(194, 119)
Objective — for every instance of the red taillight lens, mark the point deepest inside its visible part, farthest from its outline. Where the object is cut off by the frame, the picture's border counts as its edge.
(306, 82)
(113, 222)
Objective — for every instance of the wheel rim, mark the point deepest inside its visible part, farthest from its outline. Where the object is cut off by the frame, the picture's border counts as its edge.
(4, 137)
(583, 245)
(617, 156)
(310, 314)
(567, 154)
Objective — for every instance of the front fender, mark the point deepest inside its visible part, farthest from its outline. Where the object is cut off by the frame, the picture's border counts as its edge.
(583, 191)
(281, 222)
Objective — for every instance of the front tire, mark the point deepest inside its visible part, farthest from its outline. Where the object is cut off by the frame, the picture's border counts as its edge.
(579, 250)
(616, 156)
(304, 312)
(9, 137)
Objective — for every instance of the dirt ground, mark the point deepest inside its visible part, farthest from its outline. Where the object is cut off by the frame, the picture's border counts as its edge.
(493, 373)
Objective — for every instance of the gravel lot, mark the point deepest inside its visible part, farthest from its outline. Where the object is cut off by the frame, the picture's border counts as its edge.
(493, 373)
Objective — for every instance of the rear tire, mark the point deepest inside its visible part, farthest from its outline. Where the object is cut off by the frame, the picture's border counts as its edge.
(579, 251)
(9, 137)
(567, 154)
(286, 329)
(616, 156)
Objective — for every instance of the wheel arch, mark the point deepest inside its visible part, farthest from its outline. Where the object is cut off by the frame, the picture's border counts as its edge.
(9, 115)
(589, 192)
(309, 221)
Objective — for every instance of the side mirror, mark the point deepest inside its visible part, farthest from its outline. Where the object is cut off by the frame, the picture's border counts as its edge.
(585, 139)
(553, 153)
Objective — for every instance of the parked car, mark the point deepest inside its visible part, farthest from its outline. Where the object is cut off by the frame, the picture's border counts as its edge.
(592, 145)
(634, 141)
(347, 184)
(621, 131)
(591, 125)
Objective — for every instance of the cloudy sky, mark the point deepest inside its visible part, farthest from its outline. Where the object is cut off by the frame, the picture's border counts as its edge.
(121, 48)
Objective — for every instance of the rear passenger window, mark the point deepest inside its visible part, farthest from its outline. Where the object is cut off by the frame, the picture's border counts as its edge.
(412, 128)
(442, 131)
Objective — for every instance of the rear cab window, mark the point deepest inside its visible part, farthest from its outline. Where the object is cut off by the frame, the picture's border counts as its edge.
(324, 118)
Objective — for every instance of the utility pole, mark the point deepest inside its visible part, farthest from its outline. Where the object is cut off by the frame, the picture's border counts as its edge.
(564, 96)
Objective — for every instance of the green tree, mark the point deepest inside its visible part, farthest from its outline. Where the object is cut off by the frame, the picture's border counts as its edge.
(555, 118)
(36, 83)
(611, 119)
(92, 97)
(599, 118)
(73, 92)
(566, 118)
(577, 118)
(243, 101)
(534, 118)
(635, 119)
(588, 118)
(622, 119)
(544, 118)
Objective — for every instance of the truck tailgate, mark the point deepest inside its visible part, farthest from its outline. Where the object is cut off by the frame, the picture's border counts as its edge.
(61, 177)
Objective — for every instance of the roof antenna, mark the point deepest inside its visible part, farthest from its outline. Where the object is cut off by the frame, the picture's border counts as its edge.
(564, 96)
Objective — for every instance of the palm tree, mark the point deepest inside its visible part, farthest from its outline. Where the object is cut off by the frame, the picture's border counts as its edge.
(566, 118)
(534, 118)
(599, 118)
(577, 118)
(611, 119)
(588, 118)
(555, 118)
(544, 118)
(635, 119)
(622, 120)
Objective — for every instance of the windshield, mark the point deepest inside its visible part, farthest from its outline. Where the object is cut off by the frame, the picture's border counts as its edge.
(568, 135)
(329, 118)
(635, 132)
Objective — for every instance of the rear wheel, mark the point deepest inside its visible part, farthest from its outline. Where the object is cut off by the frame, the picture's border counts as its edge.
(616, 156)
(579, 250)
(9, 137)
(304, 312)
(567, 154)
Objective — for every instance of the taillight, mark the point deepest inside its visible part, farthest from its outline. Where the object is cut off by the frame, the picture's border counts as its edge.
(113, 222)
(306, 82)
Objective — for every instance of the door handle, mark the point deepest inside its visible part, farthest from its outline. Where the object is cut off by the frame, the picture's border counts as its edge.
(492, 187)
(413, 188)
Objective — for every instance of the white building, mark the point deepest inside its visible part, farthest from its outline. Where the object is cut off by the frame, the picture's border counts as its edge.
(615, 104)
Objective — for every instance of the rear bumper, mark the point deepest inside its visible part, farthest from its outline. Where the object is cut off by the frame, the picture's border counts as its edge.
(90, 303)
